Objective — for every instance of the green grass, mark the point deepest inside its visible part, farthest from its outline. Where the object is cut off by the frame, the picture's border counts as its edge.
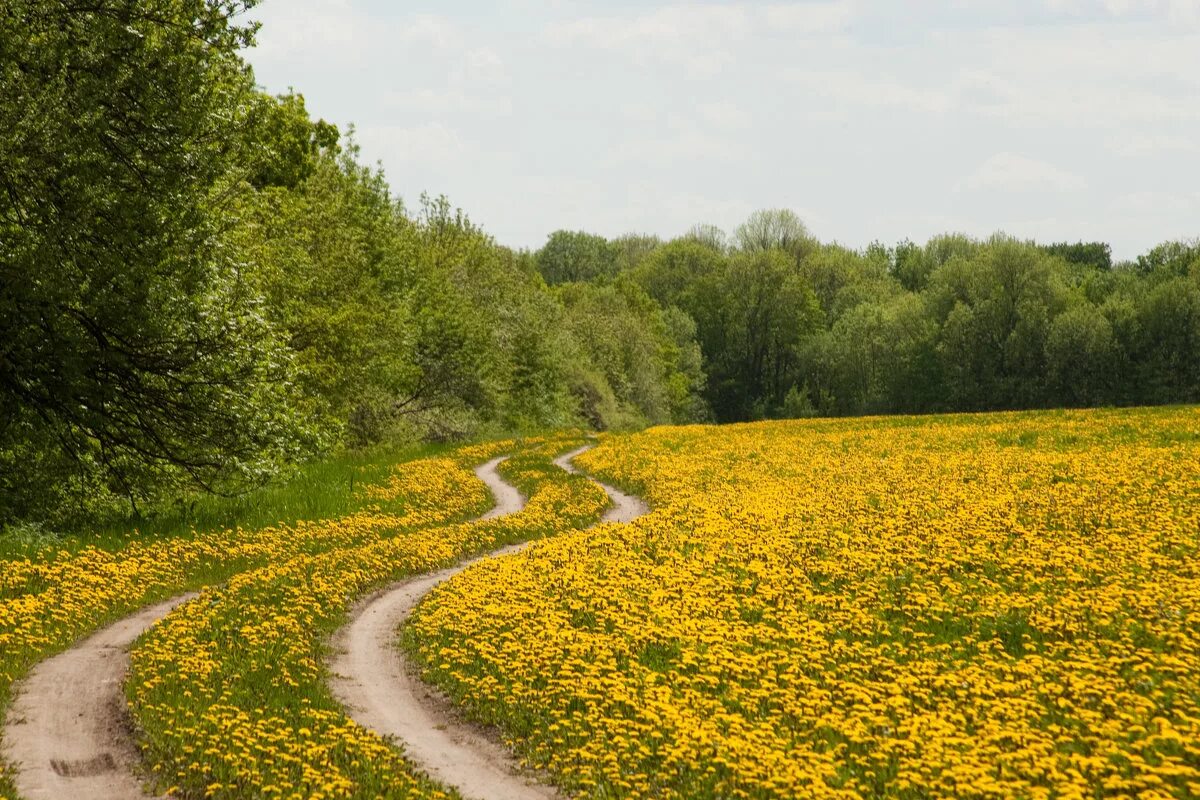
(320, 489)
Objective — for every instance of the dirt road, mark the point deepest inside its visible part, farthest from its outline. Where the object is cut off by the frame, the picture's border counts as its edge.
(68, 729)
(381, 690)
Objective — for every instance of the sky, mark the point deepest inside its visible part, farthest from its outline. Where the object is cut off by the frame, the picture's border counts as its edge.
(1056, 120)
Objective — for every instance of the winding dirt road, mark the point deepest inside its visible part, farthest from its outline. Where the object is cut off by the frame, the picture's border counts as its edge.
(625, 507)
(381, 690)
(68, 730)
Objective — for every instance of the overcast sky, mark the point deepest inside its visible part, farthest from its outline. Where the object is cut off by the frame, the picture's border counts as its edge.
(1047, 119)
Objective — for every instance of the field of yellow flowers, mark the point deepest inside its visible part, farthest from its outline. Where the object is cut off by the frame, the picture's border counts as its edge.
(985, 606)
(53, 597)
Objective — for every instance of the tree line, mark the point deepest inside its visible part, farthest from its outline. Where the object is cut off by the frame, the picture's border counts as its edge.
(201, 284)
(789, 326)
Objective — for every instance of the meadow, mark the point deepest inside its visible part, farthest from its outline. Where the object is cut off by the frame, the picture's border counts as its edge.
(993, 605)
(247, 382)
(983, 606)
(248, 714)
(54, 592)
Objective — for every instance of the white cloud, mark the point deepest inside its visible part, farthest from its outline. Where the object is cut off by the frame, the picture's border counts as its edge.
(1174, 10)
(308, 26)
(1013, 172)
(427, 29)
(1135, 144)
(849, 88)
(428, 144)
(809, 18)
(868, 115)
(1093, 76)
(481, 65)
(695, 38)
(670, 26)
(1178, 11)
(704, 22)
(639, 113)
(688, 146)
(346, 31)
(427, 102)
(723, 114)
(701, 38)
(1147, 201)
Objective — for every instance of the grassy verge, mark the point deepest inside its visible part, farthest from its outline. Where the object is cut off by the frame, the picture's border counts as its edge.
(324, 489)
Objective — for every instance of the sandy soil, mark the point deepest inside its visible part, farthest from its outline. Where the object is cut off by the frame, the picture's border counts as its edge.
(372, 679)
(625, 507)
(68, 728)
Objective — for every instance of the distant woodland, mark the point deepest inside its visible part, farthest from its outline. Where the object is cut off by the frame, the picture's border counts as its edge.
(200, 284)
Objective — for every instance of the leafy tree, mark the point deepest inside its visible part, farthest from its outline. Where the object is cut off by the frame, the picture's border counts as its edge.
(750, 320)
(710, 236)
(633, 248)
(673, 271)
(877, 357)
(327, 264)
(798, 403)
(1172, 258)
(283, 143)
(1168, 346)
(995, 310)
(621, 332)
(131, 339)
(912, 265)
(571, 256)
(451, 349)
(686, 379)
(1081, 357)
(1094, 255)
(967, 375)
(843, 278)
(774, 229)
(538, 352)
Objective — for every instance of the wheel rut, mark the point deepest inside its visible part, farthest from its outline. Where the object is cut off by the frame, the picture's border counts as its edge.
(68, 729)
(68, 732)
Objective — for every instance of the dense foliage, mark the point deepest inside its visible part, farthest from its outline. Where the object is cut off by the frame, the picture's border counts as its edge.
(133, 352)
(199, 284)
(792, 327)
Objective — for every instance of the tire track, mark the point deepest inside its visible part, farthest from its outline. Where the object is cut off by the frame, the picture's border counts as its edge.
(68, 732)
